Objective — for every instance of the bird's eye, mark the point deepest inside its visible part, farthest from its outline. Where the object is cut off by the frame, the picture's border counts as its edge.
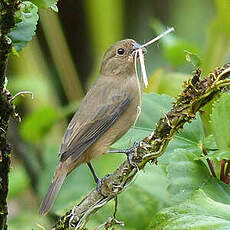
(120, 51)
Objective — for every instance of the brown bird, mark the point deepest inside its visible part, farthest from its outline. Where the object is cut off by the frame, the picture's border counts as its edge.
(108, 110)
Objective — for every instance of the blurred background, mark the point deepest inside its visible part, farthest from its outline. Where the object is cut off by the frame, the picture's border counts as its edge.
(61, 63)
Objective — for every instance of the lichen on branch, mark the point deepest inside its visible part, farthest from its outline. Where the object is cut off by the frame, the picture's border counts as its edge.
(7, 11)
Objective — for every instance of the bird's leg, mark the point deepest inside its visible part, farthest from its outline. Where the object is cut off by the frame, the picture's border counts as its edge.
(128, 153)
(96, 178)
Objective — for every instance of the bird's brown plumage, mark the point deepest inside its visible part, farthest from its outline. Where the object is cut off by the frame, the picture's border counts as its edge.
(108, 110)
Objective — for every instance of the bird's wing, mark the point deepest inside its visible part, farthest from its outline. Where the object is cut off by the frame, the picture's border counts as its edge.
(92, 121)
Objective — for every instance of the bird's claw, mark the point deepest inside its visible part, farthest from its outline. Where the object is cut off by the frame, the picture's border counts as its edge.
(99, 183)
(132, 149)
(130, 152)
(130, 159)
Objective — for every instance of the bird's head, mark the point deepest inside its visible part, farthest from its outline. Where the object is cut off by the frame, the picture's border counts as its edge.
(119, 59)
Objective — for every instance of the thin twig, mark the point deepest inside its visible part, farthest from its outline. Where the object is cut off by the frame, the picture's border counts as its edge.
(222, 170)
(115, 207)
(2, 130)
(22, 93)
(227, 173)
(110, 223)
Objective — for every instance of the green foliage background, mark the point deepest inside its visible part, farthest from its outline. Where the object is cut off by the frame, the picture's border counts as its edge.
(179, 192)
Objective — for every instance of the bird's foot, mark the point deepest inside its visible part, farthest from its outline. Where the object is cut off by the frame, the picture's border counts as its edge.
(129, 153)
(99, 183)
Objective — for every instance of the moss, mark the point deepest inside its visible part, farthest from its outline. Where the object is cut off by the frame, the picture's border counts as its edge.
(7, 10)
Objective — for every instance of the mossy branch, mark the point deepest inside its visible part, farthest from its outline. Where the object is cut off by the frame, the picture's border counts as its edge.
(197, 93)
(7, 10)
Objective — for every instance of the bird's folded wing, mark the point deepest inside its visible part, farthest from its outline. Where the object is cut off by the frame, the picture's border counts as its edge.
(83, 131)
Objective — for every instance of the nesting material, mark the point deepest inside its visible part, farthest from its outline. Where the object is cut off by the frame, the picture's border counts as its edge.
(140, 52)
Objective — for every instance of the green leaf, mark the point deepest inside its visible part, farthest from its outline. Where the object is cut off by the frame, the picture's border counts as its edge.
(194, 59)
(186, 174)
(26, 19)
(217, 190)
(163, 82)
(220, 122)
(217, 155)
(148, 179)
(188, 139)
(209, 142)
(200, 212)
(36, 125)
(43, 4)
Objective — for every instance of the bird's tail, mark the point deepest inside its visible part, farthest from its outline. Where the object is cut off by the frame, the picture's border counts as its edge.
(52, 193)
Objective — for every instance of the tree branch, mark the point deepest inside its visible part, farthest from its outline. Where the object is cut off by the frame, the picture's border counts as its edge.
(7, 10)
(197, 93)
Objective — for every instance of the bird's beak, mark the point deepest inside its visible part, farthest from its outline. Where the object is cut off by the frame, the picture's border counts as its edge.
(137, 46)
